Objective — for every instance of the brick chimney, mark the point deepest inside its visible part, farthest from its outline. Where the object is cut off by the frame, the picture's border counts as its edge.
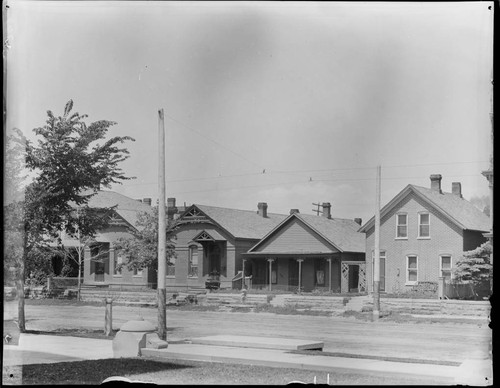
(262, 206)
(171, 208)
(456, 188)
(358, 221)
(327, 209)
(293, 211)
(436, 183)
(147, 201)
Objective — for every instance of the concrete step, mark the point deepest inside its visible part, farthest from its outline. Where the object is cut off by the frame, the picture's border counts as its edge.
(259, 342)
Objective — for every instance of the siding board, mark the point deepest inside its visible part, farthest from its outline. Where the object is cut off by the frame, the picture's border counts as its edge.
(296, 238)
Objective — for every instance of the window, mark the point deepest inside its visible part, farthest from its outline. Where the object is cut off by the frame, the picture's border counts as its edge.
(193, 261)
(117, 270)
(171, 266)
(382, 269)
(137, 272)
(411, 270)
(402, 225)
(274, 272)
(445, 267)
(319, 270)
(423, 225)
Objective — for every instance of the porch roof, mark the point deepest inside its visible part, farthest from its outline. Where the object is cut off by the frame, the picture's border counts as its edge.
(271, 255)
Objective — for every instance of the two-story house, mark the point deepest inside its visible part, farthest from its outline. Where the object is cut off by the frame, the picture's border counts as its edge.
(423, 233)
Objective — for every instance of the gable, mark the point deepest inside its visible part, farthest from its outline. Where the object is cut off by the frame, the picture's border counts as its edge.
(294, 237)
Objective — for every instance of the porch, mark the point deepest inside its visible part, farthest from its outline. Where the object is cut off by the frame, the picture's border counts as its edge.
(305, 273)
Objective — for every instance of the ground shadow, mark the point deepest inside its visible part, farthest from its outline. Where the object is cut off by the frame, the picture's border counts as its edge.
(92, 371)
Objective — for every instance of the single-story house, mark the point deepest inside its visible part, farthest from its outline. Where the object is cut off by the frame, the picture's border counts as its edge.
(210, 242)
(423, 233)
(101, 265)
(272, 250)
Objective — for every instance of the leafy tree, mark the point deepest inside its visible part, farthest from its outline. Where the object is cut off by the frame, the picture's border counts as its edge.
(141, 249)
(482, 203)
(475, 267)
(72, 161)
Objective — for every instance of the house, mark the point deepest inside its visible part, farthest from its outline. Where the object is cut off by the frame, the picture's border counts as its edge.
(310, 252)
(273, 250)
(210, 242)
(101, 259)
(423, 233)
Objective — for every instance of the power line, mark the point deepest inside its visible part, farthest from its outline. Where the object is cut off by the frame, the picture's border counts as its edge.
(270, 172)
(211, 140)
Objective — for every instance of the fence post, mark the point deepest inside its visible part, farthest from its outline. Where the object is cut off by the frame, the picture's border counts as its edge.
(108, 317)
(441, 287)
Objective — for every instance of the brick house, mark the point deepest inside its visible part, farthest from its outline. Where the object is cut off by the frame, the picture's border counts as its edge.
(101, 259)
(210, 242)
(310, 252)
(423, 233)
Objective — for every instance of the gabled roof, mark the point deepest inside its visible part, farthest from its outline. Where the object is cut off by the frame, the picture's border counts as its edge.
(126, 207)
(458, 210)
(240, 223)
(339, 232)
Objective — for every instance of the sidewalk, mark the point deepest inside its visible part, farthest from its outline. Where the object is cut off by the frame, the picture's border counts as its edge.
(35, 349)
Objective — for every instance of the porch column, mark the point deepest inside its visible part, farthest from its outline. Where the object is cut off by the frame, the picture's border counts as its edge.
(329, 274)
(243, 273)
(300, 272)
(112, 261)
(270, 272)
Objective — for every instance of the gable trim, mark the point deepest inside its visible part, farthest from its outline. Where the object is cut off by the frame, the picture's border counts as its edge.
(208, 236)
(281, 225)
(398, 198)
(193, 214)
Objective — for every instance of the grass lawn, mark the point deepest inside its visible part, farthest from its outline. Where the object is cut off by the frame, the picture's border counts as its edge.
(190, 372)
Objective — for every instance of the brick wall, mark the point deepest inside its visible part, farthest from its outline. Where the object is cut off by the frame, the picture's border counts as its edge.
(445, 238)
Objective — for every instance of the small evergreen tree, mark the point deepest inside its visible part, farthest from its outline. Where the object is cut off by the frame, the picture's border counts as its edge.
(475, 267)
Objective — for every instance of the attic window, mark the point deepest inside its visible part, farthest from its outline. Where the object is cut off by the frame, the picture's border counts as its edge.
(423, 225)
(401, 225)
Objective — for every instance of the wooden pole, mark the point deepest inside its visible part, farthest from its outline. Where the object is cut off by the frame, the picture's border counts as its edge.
(108, 317)
(162, 231)
(376, 264)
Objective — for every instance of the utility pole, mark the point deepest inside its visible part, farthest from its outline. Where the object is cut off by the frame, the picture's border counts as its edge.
(162, 231)
(376, 263)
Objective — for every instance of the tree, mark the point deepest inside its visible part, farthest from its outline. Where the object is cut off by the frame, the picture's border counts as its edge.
(71, 164)
(482, 203)
(140, 250)
(475, 267)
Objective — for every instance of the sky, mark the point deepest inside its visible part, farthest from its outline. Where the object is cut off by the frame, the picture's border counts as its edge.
(288, 103)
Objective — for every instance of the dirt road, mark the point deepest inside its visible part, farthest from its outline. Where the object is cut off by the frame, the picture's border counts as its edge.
(430, 341)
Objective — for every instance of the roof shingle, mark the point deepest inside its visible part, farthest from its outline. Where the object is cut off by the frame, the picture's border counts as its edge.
(242, 223)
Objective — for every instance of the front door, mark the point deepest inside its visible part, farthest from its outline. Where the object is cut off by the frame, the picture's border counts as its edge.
(99, 271)
(353, 278)
(293, 274)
